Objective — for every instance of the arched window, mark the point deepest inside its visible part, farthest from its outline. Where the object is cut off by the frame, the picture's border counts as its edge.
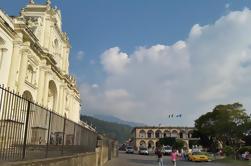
(167, 133)
(30, 74)
(158, 134)
(150, 144)
(27, 95)
(142, 143)
(142, 134)
(52, 95)
(150, 134)
(174, 133)
(56, 46)
(56, 43)
(190, 134)
(182, 134)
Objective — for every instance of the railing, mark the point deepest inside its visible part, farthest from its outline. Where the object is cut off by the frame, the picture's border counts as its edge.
(29, 131)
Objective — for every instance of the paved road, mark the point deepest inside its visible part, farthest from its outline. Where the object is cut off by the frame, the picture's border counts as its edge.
(151, 160)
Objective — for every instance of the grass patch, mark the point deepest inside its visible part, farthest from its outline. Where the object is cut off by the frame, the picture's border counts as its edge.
(233, 162)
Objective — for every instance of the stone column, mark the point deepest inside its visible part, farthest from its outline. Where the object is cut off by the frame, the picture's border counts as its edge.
(1, 56)
(45, 90)
(42, 39)
(63, 100)
(41, 85)
(15, 63)
(50, 38)
(22, 71)
(47, 33)
(60, 101)
(71, 103)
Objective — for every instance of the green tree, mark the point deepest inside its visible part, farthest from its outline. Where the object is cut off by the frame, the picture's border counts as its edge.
(227, 123)
(179, 144)
(167, 141)
(175, 143)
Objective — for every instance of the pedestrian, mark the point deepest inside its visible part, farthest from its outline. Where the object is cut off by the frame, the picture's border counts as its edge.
(174, 157)
(160, 157)
(182, 154)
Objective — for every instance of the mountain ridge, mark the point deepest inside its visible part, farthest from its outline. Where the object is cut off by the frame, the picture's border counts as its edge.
(120, 132)
(110, 118)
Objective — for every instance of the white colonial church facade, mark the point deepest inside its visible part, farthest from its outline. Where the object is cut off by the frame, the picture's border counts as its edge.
(34, 59)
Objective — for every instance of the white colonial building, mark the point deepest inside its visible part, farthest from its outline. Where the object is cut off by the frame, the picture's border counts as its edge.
(148, 136)
(34, 59)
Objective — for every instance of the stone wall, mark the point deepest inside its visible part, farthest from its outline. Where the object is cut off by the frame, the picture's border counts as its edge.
(87, 159)
(98, 158)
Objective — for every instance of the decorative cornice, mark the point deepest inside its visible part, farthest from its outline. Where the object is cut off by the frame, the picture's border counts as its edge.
(31, 85)
(6, 27)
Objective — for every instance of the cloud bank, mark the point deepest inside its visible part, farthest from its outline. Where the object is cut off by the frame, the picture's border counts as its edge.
(212, 66)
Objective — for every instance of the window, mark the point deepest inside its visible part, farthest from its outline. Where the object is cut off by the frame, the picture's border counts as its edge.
(142, 134)
(30, 75)
(55, 45)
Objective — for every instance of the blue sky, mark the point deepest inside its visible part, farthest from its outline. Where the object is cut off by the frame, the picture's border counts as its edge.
(96, 25)
(120, 31)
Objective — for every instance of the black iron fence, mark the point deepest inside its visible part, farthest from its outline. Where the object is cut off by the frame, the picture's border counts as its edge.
(29, 131)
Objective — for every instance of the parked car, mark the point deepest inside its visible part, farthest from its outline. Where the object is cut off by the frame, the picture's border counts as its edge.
(122, 147)
(129, 149)
(166, 150)
(197, 156)
(143, 151)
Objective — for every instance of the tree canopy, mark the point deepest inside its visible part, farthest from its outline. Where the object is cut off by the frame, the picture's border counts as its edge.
(171, 141)
(227, 123)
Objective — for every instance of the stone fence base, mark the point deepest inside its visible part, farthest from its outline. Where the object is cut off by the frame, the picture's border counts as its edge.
(98, 158)
(106, 150)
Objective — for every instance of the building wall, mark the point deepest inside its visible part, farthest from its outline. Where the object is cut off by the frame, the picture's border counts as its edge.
(142, 138)
(6, 48)
(35, 59)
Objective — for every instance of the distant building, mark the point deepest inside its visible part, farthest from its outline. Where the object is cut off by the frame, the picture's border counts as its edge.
(34, 59)
(147, 136)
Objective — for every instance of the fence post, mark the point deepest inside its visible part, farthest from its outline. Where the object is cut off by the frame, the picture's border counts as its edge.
(62, 152)
(26, 129)
(48, 135)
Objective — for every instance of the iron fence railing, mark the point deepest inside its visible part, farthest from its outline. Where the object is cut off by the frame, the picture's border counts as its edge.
(30, 131)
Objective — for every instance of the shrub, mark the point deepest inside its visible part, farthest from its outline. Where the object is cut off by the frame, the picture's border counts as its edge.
(179, 144)
(228, 150)
(193, 142)
(167, 141)
(244, 149)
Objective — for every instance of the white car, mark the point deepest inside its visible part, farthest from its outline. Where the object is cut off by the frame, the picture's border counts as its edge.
(166, 150)
(129, 149)
(143, 151)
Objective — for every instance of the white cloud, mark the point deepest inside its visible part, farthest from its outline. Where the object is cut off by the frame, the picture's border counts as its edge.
(95, 85)
(114, 61)
(195, 31)
(80, 55)
(227, 5)
(212, 66)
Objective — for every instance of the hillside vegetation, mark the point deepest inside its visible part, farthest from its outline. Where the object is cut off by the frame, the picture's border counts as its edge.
(117, 131)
